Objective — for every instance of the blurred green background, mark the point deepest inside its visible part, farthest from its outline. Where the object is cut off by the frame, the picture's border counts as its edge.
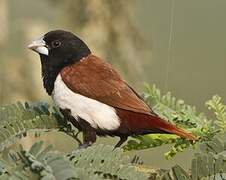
(179, 45)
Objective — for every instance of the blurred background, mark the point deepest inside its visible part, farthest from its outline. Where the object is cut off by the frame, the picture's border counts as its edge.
(178, 45)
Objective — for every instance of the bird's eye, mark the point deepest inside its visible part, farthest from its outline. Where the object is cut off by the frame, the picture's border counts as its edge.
(56, 43)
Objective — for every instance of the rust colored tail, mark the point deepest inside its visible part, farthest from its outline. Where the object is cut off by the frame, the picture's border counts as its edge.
(140, 123)
(170, 128)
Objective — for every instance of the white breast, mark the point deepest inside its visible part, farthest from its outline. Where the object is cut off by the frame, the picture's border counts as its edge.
(99, 115)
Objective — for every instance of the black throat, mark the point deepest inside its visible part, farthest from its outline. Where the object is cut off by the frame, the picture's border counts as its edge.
(49, 74)
(51, 67)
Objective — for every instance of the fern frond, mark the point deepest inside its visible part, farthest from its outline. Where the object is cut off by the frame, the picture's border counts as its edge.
(17, 119)
(149, 141)
(39, 163)
(210, 163)
(219, 109)
(93, 163)
(106, 162)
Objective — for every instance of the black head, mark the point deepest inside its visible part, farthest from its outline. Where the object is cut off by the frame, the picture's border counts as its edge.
(58, 49)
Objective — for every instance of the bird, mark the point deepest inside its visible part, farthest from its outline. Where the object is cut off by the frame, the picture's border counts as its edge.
(92, 95)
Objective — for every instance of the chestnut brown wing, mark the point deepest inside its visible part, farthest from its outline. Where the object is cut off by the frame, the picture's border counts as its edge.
(96, 79)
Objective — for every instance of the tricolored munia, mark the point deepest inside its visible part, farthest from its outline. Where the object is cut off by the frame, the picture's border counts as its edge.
(91, 94)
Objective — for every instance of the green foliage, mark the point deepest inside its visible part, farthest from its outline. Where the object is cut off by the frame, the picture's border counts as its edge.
(17, 119)
(209, 164)
(96, 162)
(183, 115)
(149, 141)
(219, 109)
(106, 162)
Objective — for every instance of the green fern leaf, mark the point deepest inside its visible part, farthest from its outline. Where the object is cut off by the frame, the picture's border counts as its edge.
(17, 119)
(106, 162)
(219, 109)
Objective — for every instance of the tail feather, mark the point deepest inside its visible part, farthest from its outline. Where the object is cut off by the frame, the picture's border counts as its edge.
(171, 128)
(140, 123)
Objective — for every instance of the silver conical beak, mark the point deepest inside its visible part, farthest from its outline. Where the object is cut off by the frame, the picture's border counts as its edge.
(39, 46)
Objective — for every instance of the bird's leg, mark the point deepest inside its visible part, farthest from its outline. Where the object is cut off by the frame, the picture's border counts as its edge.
(76, 137)
(121, 141)
(89, 134)
(89, 137)
(68, 117)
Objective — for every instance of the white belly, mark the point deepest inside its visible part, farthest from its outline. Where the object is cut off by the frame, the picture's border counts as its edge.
(97, 114)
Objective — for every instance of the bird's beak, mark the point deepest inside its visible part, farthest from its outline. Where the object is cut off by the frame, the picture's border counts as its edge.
(39, 46)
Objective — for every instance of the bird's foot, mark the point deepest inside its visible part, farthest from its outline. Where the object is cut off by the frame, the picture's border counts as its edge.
(83, 146)
(121, 141)
(77, 139)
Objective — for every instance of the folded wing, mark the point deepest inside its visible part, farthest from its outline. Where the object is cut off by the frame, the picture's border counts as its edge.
(96, 79)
